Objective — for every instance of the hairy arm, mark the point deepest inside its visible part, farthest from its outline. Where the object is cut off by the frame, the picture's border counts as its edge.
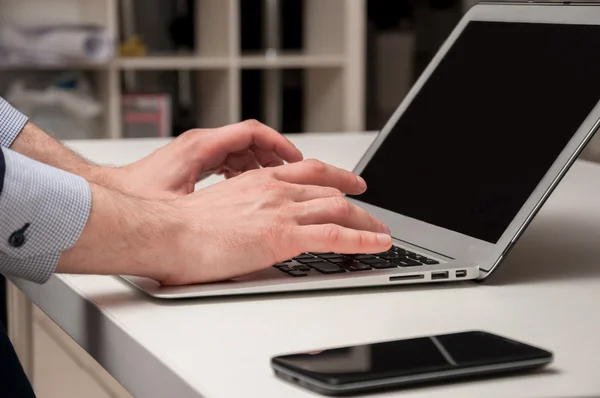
(36, 144)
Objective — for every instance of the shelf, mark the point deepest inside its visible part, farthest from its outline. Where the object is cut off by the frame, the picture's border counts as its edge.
(170, 62)
(174, 62)
(292, 61)
(70, 66)
(322, 71)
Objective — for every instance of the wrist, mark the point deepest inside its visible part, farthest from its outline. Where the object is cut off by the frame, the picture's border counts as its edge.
(104, 176)
(123, 236)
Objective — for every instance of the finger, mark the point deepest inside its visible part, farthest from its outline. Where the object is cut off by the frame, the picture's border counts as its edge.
(314, 172)
(337, 210)
(253, 134)
(267, 158)
(335, 238)
(241, 162)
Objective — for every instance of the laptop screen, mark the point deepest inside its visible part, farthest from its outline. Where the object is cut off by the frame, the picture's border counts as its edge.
(487, 125)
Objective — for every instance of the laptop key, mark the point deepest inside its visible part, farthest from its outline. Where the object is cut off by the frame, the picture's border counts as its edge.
(291, 263)
(383, 265)
(327, 256)
(352, 255)
(284, 268)
(406, 262)
(302, 268)
(297, 273)
(374, 261)
(355, 266)
(391, 256)
(363, 256)
(303, 256)
(327, 267)
(337, 260)
(309, 260)
(429, 261)
(416, 256)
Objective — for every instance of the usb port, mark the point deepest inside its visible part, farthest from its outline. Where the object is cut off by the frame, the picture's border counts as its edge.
(439, 275)
(461, 273)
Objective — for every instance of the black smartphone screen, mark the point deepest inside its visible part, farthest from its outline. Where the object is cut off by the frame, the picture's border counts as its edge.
(410, 357)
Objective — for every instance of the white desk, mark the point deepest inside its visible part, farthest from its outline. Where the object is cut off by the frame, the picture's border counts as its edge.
(547, 292)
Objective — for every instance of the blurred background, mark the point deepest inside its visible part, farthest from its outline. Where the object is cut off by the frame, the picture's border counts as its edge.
(111, 69)
(145, 68)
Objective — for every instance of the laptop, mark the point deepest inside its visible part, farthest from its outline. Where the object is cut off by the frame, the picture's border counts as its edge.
(468, 158)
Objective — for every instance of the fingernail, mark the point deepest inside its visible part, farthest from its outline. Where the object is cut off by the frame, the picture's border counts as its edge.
(361, 182)
(387, 229)
(384, 239)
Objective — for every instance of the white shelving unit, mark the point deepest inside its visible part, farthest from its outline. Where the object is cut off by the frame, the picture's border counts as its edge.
(333, 59)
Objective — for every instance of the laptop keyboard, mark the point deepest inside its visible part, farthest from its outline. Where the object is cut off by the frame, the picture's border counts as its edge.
(333, 263)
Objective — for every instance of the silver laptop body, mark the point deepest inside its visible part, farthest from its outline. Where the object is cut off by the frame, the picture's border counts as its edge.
(473, 151)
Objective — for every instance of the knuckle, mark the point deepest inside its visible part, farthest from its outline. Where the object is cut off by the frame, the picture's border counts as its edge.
(316, 165)
(341, 206)
(189, 136)
(252, 123)
(361, 240)
(333, 192)
(331, 234)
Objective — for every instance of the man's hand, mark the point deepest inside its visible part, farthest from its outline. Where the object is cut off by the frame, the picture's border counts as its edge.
(263, 217)
(232, 228)
(173, 170)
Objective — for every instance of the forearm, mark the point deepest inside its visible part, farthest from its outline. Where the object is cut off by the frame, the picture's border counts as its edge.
(36, 144)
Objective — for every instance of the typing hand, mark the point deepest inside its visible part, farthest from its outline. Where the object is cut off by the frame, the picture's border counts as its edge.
(174, 169)
(265, 216)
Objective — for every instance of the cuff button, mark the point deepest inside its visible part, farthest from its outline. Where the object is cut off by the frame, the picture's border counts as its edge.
(17, 238)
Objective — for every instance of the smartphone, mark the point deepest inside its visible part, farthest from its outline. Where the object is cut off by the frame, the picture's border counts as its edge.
(390, 364)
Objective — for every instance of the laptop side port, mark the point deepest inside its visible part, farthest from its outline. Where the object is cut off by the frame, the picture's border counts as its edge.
(406, 277)
(461, 273)
(439, 275)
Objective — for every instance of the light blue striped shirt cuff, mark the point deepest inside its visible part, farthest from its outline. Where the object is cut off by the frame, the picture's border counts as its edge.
(11, 123)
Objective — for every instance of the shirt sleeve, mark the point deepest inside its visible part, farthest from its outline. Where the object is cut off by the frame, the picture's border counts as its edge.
(11, 123)
(43, 210)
